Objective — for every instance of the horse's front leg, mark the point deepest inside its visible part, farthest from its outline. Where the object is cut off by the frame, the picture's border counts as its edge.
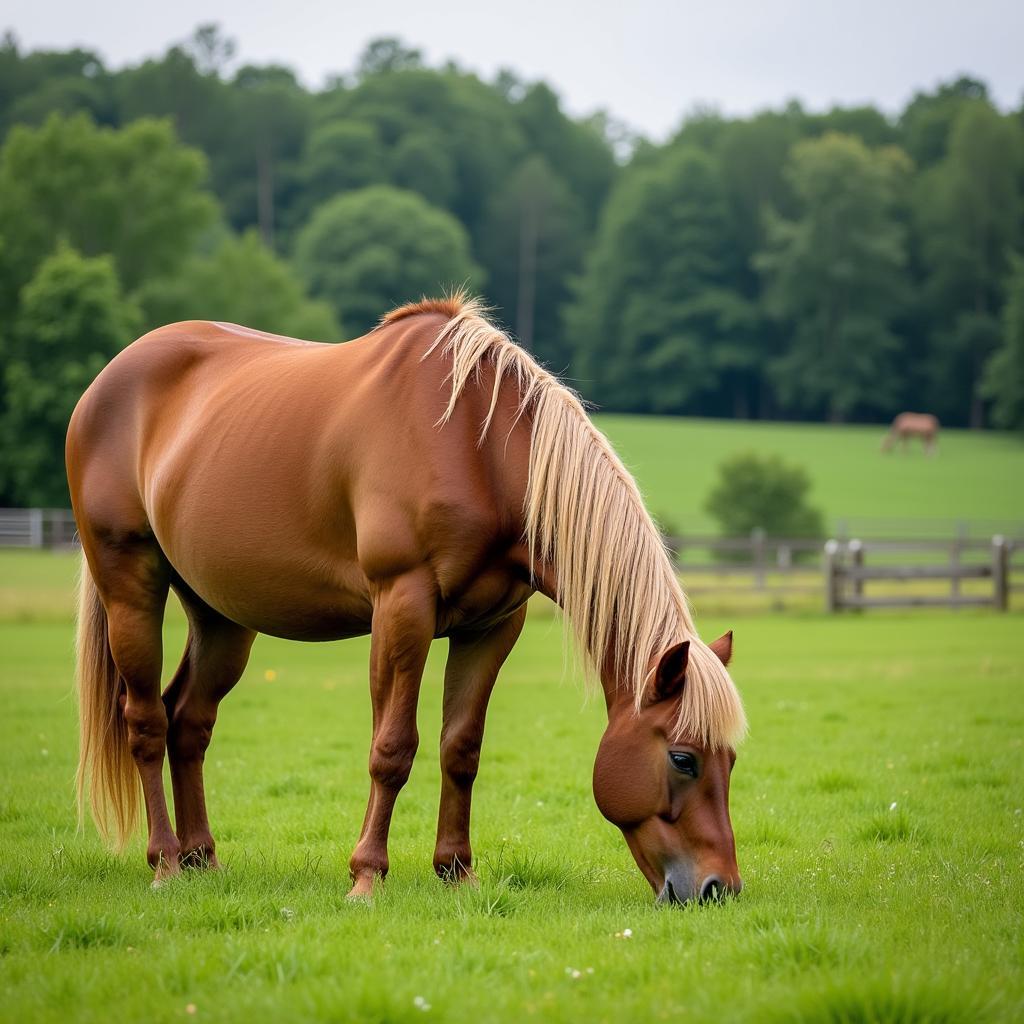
(474, 660)
(404, 619)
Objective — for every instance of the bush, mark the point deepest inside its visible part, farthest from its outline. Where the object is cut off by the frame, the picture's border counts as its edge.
(763, 492)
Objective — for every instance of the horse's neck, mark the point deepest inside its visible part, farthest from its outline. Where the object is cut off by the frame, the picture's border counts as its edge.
(617, 692)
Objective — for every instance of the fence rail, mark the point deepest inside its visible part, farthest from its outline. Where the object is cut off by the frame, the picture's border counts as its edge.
(846, 572)
(36, 528)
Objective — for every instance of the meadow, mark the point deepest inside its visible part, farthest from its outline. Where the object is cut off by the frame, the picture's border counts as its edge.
(877, 807)
(976, 476)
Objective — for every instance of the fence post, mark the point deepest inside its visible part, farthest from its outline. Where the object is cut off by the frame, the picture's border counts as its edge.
(35, 527)
(757, 539)
(1000, 574)
(954, 563)
(832, 600)
(856, 549)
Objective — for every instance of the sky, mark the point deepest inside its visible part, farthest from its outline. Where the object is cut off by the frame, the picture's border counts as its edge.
(647, 63)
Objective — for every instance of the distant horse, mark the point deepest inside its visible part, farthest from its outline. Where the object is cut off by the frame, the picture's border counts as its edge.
(910, 425)
(422, 481)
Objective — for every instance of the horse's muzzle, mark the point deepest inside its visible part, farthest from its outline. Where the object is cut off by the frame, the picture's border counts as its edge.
(680, 887)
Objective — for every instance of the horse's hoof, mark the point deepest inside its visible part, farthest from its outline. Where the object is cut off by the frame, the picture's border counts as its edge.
(460, 878)
(362, 889)
(200, 859)
(165, 869)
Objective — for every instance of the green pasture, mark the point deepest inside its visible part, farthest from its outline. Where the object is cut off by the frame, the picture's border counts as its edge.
(877, 806)
(975, 476)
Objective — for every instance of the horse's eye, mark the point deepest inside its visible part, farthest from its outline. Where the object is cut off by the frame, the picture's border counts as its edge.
(683, 762)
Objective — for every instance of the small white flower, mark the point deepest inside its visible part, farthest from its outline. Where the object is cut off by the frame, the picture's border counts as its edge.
(421, 1004)
(577, 974)
(892, 806)
(287, 913)
(627, 933)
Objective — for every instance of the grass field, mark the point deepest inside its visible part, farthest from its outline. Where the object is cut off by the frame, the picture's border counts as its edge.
(877, 808)
(976, 476)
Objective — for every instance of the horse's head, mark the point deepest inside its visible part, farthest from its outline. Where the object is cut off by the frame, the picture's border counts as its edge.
(668, 793)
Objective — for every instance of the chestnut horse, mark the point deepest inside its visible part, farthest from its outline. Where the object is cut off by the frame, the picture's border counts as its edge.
(419, 482)
(909, 425)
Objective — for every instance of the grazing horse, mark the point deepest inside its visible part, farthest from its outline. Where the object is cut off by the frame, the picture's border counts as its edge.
(419, 482)
(909, 425)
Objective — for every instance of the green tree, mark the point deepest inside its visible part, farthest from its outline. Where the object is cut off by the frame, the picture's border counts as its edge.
(339, 156)
(242, 282)
(532, 243)
(72, 319)
(968, 215)
(449, 112)
(763, 492)
(34, 85)
(367, 251)
(579, 153)
(420, 165)
(271, 117)
(1004, 373)
(133, 193)
(654, 310)
(834, 277)
(387, 54)
(927, 122)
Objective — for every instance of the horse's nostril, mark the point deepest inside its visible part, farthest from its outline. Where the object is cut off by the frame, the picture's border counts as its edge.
(712, 888)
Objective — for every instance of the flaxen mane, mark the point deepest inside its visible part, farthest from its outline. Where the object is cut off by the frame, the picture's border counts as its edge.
(585, 516)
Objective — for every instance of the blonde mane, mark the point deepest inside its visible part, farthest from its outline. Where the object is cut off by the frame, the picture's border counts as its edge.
(585, 517)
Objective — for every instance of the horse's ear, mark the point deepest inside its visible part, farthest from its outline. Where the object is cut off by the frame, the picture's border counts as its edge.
(723, 647)
(670, 674)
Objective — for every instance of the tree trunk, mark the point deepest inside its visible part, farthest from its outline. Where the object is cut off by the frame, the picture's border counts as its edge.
(528, 228)
(265, 197)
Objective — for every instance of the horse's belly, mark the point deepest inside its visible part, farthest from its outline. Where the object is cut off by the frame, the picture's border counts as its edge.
(276, 596)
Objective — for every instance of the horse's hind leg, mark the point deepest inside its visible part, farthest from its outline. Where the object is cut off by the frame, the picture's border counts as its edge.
(132, 577)
(215, 658)
(474, 660)
(404, 616)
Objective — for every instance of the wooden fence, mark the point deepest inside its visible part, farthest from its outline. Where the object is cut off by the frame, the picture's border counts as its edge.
(36, 528)
(847, 572)
(777, 568)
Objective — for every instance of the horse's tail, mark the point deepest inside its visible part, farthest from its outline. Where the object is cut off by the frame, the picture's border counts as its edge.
(105, 765)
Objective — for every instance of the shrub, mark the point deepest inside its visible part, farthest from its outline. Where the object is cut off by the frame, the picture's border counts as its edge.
(763, 492)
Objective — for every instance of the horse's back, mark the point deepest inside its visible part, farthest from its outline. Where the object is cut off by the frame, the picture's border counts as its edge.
(253, 458)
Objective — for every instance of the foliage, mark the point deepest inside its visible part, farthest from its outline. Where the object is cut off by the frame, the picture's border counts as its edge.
(531, 241)
(134, 193)
(72, 320)
(369, 250)
(763, 492)
(969, 212)
(241, 282)
(834, 277)
(1004, 374)
(655, 320)
(701, 276)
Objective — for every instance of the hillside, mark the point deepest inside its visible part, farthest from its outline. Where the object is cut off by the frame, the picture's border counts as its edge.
(977, 476)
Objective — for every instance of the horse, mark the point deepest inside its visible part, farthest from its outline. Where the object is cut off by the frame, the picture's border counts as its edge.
(913, 424)
(419, 482)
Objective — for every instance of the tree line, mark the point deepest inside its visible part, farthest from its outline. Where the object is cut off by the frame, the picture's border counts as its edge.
(841, 265)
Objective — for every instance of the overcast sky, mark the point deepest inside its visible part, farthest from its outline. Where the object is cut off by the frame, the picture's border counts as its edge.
(645, 62)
